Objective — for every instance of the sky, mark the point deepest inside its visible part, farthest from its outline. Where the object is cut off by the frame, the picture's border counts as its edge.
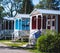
(35, 2)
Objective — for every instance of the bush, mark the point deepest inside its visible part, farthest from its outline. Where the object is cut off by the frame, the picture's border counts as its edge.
(49, 42)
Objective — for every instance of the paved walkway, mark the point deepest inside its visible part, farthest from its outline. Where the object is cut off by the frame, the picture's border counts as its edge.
(6, 49)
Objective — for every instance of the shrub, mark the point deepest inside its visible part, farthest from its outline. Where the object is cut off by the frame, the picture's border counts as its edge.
(49, 42)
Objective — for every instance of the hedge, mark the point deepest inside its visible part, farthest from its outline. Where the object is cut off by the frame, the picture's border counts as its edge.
(49, 42)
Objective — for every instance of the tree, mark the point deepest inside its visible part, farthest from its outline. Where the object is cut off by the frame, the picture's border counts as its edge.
(49, 4)
(11, 6)
(2, 14)
(40, 5)
(56, 4)
(27, 6)
(1, 11)
(46, 4)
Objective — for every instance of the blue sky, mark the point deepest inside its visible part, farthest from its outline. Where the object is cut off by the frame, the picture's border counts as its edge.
(35, 2)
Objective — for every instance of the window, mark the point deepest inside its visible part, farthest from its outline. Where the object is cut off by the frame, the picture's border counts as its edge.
(39, 22)
(13, 25)
(49, 23)
(16, 24)
(20, 24)
(49, 16)
(44, 22)
(25, 24)
(10, 24)
(34, 22)
(53, 17)
(53, 23)
(6, 24)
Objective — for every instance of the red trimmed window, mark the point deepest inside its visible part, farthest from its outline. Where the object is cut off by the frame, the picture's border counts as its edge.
(49, 16)
(34, 22)
(53, 17)
(44, 22)
(39, 22)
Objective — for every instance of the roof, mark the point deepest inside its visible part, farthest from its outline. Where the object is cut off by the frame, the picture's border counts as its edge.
(17, 16)
(44, 11)
(22, 16)
(8, 18)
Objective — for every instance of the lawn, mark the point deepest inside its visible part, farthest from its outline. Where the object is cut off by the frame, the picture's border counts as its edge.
(1, 41)
(35, 51)
(12, 44)
(18, 44)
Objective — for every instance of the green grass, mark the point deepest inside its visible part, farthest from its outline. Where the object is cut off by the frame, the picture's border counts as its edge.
(18, 44)
(1, 41)
(35, 51)
(15, 44)
(12, 44)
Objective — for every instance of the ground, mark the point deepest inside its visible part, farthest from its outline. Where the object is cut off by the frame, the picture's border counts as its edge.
(5, 49)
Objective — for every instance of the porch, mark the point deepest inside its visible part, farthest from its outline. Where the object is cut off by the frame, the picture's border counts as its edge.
(22, 26)
(44, 22)
(41, 20)
(7, 28)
